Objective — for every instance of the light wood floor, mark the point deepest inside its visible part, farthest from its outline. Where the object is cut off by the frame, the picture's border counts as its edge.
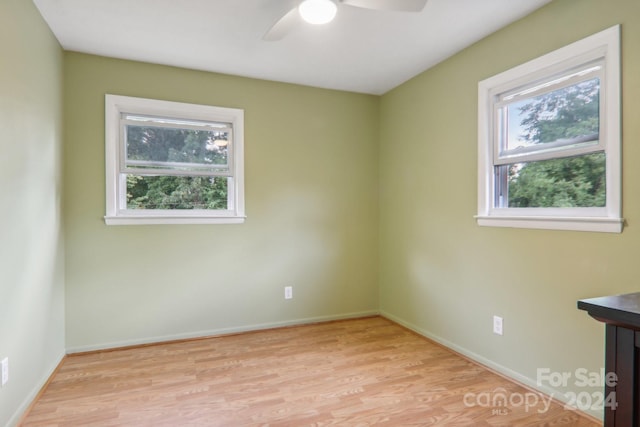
(358, 372)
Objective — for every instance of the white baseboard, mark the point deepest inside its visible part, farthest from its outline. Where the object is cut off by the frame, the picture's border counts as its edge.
(19, 413)
(516, 376)
(220, 331)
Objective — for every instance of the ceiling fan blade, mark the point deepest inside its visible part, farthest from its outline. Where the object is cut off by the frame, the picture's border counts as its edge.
(397, 5)
(282, 26)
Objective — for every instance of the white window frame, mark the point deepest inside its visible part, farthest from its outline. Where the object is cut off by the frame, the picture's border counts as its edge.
(604, 48)
(117, 214)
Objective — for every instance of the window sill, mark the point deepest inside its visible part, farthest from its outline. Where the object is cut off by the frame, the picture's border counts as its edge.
(154, 220)
(604, 225)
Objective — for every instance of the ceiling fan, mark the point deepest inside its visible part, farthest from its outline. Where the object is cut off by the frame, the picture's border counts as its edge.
(323, 11)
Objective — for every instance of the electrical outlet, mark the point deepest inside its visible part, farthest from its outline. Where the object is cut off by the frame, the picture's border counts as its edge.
(5, 370)
(497, 325)
(288, 292)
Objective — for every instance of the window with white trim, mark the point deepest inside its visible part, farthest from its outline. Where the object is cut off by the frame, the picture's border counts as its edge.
(172, 163)
(549, 140)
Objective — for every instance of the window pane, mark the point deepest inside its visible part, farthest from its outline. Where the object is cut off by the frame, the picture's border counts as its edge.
(167, 147)
(566, 182)
(568, 116)
(179, 123)
(176, 192)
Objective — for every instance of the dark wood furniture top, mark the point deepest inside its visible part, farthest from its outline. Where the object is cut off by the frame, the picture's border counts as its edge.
(621, 314)
(621, 310)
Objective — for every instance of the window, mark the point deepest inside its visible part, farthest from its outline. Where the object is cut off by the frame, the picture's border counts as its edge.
(172, 163)
(549, 140)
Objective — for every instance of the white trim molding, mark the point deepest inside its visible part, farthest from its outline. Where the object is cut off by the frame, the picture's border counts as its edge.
(599, 52)
(117, 212)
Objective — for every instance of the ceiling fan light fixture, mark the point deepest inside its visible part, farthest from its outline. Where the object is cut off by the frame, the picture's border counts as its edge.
(318, 12)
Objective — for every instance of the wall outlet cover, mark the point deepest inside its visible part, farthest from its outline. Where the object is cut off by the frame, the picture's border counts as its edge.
(5, 370)
(497, 325)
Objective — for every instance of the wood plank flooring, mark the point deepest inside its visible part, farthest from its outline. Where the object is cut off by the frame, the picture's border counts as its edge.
(359, 372)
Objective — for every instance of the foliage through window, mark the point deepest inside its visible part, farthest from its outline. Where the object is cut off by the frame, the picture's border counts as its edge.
(172, 163)
(549, 148)
(548, 151)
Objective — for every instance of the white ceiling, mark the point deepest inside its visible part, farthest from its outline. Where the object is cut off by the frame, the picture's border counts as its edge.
(361, 50)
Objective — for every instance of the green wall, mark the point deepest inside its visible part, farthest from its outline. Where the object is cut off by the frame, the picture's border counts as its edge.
(445, 276)
(31, 245)
(311, 179)
(362, 203)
